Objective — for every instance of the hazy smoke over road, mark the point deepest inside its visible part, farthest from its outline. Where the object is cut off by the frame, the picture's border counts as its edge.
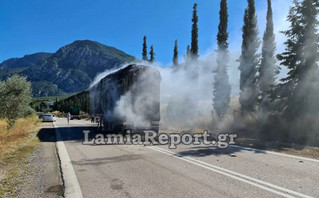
(186, 99)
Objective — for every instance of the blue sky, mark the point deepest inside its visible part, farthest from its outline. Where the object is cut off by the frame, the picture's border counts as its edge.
(45, 25)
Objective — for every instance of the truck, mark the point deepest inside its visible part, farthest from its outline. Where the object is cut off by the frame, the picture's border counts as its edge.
(127, 99)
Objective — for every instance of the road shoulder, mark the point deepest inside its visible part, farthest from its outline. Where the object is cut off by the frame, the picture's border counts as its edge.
(43, 178)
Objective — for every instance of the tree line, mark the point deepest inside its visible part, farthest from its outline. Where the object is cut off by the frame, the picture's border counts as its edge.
(294, 98)
(81, 100)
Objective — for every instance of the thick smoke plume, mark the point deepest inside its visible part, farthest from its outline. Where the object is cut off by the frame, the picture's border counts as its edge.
(185, 101)
(139, 104)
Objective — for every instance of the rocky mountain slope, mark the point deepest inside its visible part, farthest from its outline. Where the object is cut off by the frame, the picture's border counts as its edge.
(26, 61)
(71, 69)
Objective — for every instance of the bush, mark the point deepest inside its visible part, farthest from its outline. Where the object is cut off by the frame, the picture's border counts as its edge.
(15, 97)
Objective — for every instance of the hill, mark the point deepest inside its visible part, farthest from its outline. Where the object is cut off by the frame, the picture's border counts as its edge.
(70, 69)
(26, 61)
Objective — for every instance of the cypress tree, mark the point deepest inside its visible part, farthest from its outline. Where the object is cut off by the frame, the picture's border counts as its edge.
(188, 51)
(267, 69)
(222, 87)
(194, 42)
(144, 50)
(152, 54)
(249, 60)
(175, 58)
(187, 55)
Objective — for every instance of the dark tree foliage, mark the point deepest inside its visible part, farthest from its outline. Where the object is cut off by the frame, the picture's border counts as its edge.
(152, 54)
(222, 87)
(194, 42)
(249, 60)
(144, 50)
(175, 57)
(222, 34)
(267, 70)
(81, 100)
(298, 92)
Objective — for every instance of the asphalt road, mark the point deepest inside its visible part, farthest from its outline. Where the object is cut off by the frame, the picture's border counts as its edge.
(188, 171)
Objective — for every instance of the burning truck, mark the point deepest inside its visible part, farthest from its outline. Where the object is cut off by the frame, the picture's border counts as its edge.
(128, 99)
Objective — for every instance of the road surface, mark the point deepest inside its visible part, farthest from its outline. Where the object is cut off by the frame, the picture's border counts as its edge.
(188, 171)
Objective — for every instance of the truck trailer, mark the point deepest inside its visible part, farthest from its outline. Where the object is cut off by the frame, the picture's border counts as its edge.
(128, 99)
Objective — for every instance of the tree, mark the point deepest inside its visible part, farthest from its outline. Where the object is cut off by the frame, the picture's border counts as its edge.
(144, 50)
(188, 51)
(290, 57)
(175, 58)
(249, 60)
(194, 42)
(55, 107)
(152, 54)
(222, 88)
(299, 89)
(187, 55)
(15, 97)
(267, 70)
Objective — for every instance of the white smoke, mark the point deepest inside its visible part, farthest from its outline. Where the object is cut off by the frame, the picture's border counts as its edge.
(131, 113)
(186, 102)
(185, 98)
(102, 75)
(106, 72)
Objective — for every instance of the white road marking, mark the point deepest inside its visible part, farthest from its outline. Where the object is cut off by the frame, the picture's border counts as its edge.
(246, 179)
(275, 153)
(71, 184)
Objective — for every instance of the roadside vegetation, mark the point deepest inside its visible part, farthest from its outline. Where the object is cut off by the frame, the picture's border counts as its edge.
(18, 126)
(12, 138)
(16, 144)
(271, 105)
(46, 104)
(15, 97)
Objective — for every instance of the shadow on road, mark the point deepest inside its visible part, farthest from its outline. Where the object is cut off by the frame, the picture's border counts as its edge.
(72, 133)
(46, 135)
(107, 160)
(203, 151)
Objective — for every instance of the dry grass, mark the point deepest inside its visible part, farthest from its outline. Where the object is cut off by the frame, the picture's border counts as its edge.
(14, 168)
(11, 139)
(56, 113)
(16, 144)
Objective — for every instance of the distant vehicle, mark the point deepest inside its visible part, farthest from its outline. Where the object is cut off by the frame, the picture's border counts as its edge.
(75, 113)
(48, 117)
(140, 86)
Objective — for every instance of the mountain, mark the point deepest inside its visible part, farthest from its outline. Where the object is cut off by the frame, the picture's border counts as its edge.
(26, 61)
(72, 68)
